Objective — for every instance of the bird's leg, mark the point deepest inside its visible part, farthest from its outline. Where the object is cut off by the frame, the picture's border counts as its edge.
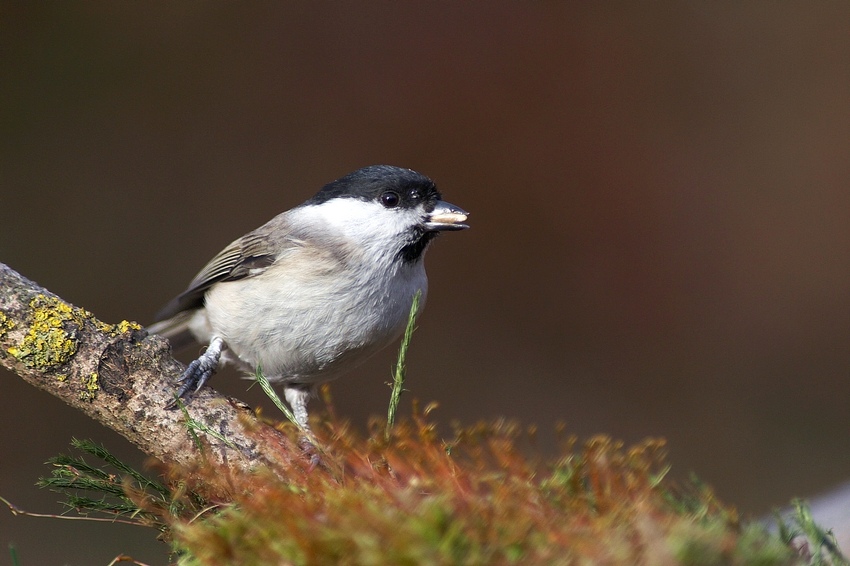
(200, 370)
(297, 397)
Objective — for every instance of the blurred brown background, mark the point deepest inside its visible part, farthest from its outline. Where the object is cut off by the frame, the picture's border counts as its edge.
(660, 243)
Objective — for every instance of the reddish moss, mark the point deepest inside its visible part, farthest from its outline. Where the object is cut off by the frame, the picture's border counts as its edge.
(479, 498)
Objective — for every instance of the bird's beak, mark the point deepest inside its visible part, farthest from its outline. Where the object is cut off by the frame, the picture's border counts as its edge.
(446, 216)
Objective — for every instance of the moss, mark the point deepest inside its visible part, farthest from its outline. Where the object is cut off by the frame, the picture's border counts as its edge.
(52, 338)
(406, 500)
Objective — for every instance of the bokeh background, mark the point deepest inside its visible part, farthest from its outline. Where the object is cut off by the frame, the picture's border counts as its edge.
(659, 197)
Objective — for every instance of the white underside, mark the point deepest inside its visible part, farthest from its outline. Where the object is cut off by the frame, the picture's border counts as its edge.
(318, 310)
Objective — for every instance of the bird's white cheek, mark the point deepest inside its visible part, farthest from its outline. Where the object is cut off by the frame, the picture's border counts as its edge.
(366, 224)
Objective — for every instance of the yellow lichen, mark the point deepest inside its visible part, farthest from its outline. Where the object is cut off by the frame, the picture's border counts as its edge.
(5, 324)
(115, 329)
(90, 387)
(52, 336)
(103, 326)
(127, 326)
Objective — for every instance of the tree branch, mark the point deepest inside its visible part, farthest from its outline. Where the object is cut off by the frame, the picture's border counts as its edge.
(123, 378)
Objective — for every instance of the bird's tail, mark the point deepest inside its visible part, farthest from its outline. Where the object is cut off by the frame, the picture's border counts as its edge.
(176, 329)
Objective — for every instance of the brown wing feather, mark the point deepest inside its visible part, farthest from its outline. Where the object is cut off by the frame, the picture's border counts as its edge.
(245, 257)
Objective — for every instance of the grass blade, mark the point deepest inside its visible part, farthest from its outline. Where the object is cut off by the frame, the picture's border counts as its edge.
(401, 368)
(267, 388)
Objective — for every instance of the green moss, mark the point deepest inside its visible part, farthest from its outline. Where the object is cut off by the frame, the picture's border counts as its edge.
(51, 339)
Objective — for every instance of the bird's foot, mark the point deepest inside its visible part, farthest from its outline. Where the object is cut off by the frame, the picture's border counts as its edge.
(199, 371)
(310, 451)
(297, 397)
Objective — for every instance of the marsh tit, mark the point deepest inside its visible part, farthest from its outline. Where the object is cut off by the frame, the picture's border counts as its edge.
(317, 289)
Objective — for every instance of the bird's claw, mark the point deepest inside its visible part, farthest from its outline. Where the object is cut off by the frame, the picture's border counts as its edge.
(311, 452)
(197, 374)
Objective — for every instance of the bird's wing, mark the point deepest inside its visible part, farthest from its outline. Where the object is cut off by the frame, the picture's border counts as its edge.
(248, 256)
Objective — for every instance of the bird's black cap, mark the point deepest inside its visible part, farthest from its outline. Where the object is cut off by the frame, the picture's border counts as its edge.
(369, 183)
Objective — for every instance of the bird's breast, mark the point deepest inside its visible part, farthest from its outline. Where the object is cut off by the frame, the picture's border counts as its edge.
(302, 328)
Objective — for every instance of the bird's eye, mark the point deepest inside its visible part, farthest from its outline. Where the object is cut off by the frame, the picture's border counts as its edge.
(390, 199)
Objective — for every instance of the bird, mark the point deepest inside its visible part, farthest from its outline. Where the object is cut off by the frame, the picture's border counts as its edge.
(316, 290)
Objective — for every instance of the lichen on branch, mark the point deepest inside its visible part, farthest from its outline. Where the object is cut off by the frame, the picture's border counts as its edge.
(124, 378)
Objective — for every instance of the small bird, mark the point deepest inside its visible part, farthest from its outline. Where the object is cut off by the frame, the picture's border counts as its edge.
(317, 289)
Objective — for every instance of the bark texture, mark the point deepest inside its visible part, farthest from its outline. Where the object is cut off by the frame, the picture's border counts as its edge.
(124, 379)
